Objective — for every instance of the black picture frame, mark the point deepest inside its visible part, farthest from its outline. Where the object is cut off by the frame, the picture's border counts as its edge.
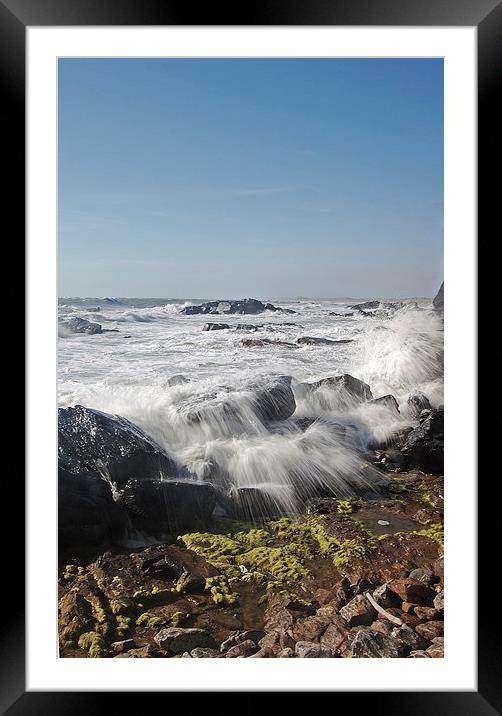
(15, 17)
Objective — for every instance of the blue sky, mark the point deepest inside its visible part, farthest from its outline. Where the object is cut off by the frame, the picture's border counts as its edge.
(268, 178)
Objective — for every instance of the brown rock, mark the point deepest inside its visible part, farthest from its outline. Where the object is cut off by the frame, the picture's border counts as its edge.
(383, 626)
(286, 654)
(175, 640)
(436, 651)
(143, 652)
(385, 597)
(424, 576)
(427, 614)
(411, 591)
(439, 601)
(408, 607)
(311, 650)
(408, 638)
(245, 648)
(370, 644)
(335, 635)
(358, 611)
(309, 629)
(429, 630)
(270, 639)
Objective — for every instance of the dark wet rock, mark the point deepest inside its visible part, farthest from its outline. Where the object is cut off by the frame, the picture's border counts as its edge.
(352, 387)
(215, 326)
(366, 305)
(252, 504)
(387, 401)
(272, 399)
(177, 380)
(411, 591)
(312, 341)
(172, 562)
(311, 650)
(373, 645)
(120, 647)
(418, 402)
(90, 441)
(204, 653)
(438, 300)
(424, 446)
(176, 640)
(88, 516)
(358, 611)
(82, 325)
(93, 310)
(430, 630)
(168, 506)
(245, 306)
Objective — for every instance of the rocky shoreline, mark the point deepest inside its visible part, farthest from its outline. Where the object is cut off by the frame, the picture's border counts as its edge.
(157, 560)
(349, 579)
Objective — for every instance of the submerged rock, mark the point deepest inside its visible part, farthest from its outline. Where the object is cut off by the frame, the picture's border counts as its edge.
(82, 325)
(92, 441)
(313, 341)
(245, 306)
(215, 326)
(366, 305)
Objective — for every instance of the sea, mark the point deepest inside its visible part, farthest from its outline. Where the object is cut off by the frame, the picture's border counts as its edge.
(396, 349)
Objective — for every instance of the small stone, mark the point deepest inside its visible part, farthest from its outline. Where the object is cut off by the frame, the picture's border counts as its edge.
(264, 653)
(143, 652)
(335, 635)
(186, 655)
(383, 626)
(245, 648)
(428, 614)
(358, 611)
(204, 653)
(309, 629)
(253, 634)
(270, 639)
(411, 591)
(439, 601)
(311, 650)
(408, 607)
(176, 640)
(120, 647)
(429, 630)
(436, 651)
(385, 597)
(423, 576)
(287, 653)
(373, 645)
(418, 655)
(409, 638)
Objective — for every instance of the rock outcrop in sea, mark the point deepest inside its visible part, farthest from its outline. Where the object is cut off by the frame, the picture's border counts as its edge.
(245, 306)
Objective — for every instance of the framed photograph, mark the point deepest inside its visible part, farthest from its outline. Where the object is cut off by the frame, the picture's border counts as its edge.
(251, 331)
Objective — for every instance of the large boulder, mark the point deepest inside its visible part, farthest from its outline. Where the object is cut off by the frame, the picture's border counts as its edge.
(160, 506)
(424, 446)
(245, 306)
(438, 300)
(418, 402)
(366, 305)
(88, 515)
(92, 441)
(346, 385)
(271, 399)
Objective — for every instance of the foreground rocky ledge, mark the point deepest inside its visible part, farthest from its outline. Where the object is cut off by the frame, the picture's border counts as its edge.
(350, 579)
